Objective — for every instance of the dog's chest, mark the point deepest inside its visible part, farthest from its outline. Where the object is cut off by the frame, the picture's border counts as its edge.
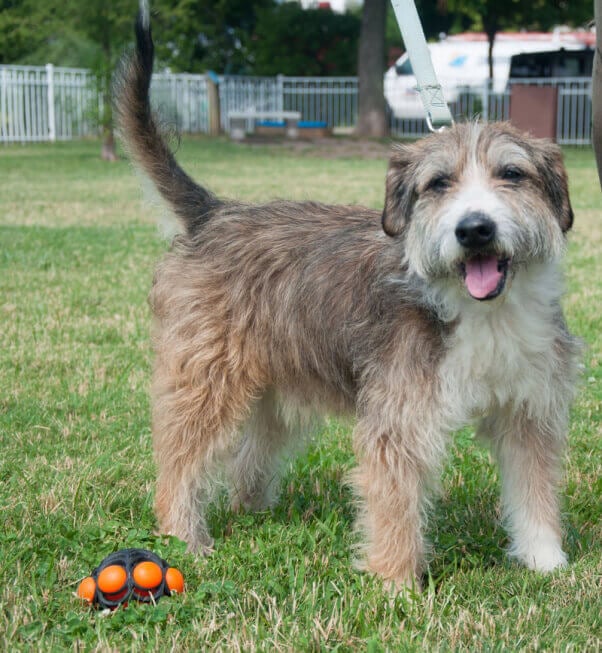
(497, 358)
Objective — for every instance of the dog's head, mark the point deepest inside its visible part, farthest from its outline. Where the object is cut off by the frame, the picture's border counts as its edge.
(477, 202)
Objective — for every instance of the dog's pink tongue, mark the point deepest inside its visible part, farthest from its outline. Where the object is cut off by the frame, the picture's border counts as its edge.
(482, 276)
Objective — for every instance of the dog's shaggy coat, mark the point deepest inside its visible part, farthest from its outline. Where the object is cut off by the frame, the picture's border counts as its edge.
(440, 311)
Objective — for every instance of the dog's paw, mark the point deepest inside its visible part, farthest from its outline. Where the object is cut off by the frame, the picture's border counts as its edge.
(404, 582)
(546, 558)
(543, 554)
(201, 549)
(409, 588)
(257, 499)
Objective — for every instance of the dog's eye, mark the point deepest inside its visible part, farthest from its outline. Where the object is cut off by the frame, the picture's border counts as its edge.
(511, 173)
(439, 184)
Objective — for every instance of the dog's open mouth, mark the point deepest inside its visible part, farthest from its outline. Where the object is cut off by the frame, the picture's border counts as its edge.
(485, 276)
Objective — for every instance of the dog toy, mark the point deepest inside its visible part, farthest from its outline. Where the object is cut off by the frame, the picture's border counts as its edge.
(130, 574)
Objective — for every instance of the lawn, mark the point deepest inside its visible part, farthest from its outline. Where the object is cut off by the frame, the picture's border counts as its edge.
(77, 250)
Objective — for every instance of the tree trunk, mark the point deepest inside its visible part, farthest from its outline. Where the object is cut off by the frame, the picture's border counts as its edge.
(108, 152)
(597, 90)
(491, 40)
(372, 120)
(491, 24)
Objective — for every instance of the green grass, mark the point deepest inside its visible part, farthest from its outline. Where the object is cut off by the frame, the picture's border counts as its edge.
(77, 250)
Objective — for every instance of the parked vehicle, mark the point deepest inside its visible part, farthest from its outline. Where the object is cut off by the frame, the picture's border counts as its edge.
(461, 64)
(552, 64)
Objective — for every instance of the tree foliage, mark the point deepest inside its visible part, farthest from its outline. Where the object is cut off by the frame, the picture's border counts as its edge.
(259, 37)
(293, 41)
(23, 28)
(201, 35)
(487, 15)
(244, 36)
(64, 32)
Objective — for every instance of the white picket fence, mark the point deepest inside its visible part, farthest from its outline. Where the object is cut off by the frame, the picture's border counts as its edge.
(46, 103)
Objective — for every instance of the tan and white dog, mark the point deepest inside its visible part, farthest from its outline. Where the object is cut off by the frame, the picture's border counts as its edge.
(441, 311)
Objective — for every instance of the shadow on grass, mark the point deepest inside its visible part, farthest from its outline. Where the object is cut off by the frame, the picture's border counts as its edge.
(464, 526)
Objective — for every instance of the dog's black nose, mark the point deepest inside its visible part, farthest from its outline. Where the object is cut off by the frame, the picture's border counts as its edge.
(475, 230)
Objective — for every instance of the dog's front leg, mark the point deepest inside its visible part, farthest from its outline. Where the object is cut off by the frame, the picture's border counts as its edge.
(391, 480)
(529, 453)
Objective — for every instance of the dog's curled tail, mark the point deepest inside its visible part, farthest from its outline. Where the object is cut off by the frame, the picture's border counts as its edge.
(142, 137)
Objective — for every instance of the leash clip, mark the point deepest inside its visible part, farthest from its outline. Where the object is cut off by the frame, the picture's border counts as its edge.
(432, 128)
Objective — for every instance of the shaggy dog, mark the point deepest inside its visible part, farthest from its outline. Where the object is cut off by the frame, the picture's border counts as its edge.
(442, 310)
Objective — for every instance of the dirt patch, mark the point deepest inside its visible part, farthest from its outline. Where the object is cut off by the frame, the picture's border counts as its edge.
(336, 147)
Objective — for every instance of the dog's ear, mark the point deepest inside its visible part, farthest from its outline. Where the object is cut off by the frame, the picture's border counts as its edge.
(399, 191)
(553, 173)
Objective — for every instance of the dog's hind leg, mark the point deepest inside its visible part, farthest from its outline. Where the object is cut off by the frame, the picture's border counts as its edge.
(256, 468)
(194, 427)
(529, 453)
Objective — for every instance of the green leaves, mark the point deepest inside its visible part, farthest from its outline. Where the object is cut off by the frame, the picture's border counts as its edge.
(289, 40)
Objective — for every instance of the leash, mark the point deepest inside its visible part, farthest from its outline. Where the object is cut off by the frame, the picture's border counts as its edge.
(431, 93)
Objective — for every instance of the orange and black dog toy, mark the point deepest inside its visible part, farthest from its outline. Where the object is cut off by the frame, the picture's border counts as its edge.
(130, 574)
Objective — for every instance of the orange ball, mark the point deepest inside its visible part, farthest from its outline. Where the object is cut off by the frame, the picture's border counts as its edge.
(174, 580)
(112, 579)
(87, 589)
(147, 575)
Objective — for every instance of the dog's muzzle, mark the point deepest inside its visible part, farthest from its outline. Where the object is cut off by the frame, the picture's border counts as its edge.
(484, 272)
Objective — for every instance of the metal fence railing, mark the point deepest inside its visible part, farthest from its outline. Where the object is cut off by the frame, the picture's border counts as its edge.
(573, 110)
(39, 103)
(574, 115)
(181, 100)
(332, 100)
(243, 93)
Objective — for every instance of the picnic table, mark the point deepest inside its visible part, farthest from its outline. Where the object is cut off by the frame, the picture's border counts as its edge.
(240, 122)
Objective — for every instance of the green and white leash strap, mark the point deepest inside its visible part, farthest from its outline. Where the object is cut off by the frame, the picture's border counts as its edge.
(437, 112)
